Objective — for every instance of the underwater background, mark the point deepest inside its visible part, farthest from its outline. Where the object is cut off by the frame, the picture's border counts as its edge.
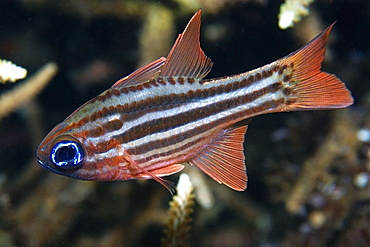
(308, 171)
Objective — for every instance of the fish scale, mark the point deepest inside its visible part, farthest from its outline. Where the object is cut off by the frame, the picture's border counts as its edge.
(164, 114)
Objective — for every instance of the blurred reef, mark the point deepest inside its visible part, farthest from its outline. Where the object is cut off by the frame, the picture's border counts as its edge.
(309, 172)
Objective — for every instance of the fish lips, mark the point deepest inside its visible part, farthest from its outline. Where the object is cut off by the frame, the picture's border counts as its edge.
(66, 172)
(47, 167)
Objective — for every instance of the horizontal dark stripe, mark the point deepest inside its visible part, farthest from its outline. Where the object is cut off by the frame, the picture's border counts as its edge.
(170, 152)
(171, 99)
(171, 122)
(169, 141)
(181, 80)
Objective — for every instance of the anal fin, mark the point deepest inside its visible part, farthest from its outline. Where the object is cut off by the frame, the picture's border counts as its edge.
(223, 158)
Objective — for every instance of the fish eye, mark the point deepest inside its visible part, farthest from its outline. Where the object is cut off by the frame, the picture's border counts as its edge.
(67, 154)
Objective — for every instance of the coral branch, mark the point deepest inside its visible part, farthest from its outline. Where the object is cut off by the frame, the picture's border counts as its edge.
(158, 20)
(26, 91)
(11, 72)
(340, 139)
(181, 207)
(292, 11)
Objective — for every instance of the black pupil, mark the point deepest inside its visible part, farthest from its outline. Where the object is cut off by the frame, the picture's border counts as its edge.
(66, 153)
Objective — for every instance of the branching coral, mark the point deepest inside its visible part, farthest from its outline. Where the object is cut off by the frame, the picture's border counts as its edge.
(11, 72)
(332, 200)
(27, 90)
(159, 20)
(315, 169)
(291, 11)
(52, 211)
(181, 207)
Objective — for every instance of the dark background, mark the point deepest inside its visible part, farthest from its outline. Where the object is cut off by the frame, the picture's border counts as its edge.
(95, 43)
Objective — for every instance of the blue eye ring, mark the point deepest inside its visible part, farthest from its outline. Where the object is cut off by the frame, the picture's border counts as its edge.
(67, 154)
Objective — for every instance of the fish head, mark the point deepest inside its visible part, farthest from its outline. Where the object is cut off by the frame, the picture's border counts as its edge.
(69, 149)
(61, 152)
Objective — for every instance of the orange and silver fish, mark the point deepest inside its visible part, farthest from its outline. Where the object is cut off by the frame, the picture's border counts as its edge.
(148, 124)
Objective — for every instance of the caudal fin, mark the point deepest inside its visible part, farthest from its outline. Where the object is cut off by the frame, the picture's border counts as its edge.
(309, 87)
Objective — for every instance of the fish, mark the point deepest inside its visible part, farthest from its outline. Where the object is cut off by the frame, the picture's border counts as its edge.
(165, 115)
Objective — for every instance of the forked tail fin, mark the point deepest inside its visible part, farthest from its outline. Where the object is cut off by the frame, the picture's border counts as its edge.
(308, 87)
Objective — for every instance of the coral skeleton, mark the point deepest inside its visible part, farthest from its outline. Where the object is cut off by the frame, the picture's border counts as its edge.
(181, 207)
(291, 11)
(9, 72)
(11, 100)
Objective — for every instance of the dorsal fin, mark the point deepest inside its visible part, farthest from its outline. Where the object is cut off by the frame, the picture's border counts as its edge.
(141, 75)
(186, 58)
(223, 158)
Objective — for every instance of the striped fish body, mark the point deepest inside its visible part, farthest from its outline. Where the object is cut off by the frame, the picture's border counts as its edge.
(165, 114)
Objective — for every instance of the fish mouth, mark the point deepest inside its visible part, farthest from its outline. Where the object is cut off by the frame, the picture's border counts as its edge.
(57, 171)
(49, 168)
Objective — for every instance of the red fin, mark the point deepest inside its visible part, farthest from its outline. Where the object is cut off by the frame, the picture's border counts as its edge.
(223, 159)
(186, 58)
(144, 173)
(156, 174)
(144, 74)
(167, 170)
(312, 88)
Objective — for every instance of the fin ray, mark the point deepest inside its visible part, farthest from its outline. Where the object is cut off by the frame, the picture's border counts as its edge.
(311, 87)
(141, 75)
(223, 158)
(155, 174)
(186, 57)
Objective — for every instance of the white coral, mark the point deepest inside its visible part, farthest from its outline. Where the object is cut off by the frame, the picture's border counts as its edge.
(291, 11)
(10, 71)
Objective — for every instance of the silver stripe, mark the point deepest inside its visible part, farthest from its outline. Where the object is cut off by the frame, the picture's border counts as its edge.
(186, 108)
(184, 128)
(163, 90)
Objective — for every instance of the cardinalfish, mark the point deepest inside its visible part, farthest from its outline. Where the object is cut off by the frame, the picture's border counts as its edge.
(164, 115)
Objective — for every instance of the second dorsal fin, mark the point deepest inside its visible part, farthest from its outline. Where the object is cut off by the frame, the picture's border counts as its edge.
(186, 58)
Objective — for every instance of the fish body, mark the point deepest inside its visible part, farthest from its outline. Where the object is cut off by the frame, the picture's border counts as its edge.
(165, 114)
